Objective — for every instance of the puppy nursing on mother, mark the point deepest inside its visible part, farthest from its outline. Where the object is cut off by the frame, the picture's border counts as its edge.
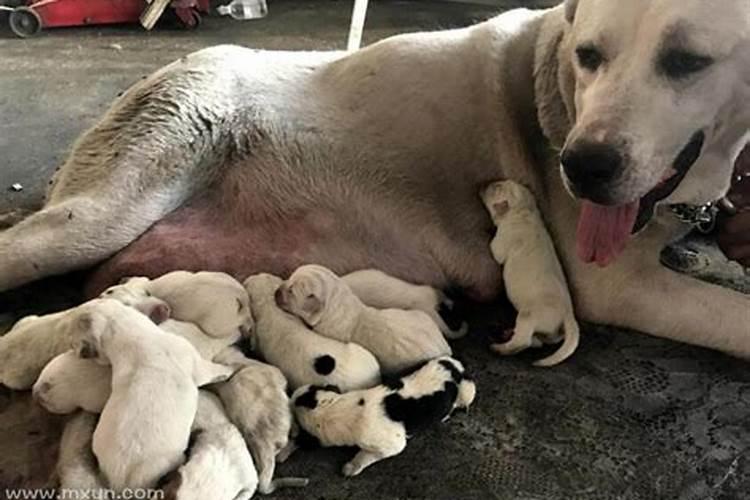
(303, 356)
(379, 420)
(398, 338)
(155, 380)
(533, 277)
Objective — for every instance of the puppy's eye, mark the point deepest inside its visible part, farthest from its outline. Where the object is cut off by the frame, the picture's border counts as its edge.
(239, 305)
(589, 57)
(679, 64)
(148, 294)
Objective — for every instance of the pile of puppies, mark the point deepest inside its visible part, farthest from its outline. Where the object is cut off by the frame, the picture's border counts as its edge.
(139, 355)
(161, 395)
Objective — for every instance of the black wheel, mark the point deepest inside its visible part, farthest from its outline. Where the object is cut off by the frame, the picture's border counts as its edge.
(24, 22)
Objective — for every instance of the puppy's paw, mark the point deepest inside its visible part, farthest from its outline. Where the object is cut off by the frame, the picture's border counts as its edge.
(351, 469)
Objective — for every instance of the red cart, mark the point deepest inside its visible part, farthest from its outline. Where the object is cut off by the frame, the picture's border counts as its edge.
(32, 15)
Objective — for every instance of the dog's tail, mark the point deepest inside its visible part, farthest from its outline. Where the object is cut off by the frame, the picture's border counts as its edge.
(568, 347)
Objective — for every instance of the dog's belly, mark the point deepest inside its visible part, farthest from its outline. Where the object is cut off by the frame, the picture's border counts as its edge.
(210, 234)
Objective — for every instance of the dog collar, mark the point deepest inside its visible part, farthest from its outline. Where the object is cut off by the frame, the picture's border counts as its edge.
(701, 217)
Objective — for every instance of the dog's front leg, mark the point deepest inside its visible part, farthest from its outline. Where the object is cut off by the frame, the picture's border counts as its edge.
(637, 292)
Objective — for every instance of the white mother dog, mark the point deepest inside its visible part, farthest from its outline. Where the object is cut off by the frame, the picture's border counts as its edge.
(373, 159)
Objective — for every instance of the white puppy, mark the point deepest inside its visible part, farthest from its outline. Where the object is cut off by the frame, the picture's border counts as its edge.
(533, 276)
(399, 339)
(30, 345)
(69, 382)
(145, 425)
(76, 463)
(303, 356)
(219, 465)
(383, 291)
(215, 302)
(256, 402)
(379, 420)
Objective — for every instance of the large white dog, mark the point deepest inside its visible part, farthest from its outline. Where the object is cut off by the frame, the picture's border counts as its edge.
(245, 161)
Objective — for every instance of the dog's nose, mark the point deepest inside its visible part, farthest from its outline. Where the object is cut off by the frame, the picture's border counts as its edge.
(592, 167)
(40, 390)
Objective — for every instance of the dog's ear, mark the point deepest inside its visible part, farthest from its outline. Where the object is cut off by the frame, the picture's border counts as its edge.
(312, 306)
(554, 80)
(571, 6)
(87, 327)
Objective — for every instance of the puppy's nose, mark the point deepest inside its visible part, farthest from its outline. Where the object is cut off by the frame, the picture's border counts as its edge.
(40, 390)
(591, 167)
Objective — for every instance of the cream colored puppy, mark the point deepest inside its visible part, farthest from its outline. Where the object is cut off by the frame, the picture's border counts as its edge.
(399, 339)
(76, 463)
(29, 346)
(533, 277)
(69, 382)
(215, 302)
(219, 466)
(383, 291)
(303, 356)
(381, 419)
(256, 402)
(145, 425)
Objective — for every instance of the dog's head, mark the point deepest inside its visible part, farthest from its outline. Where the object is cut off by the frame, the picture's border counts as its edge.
(214, 301)
(504, 196)
(89, 326)
(134, 292)
(307, 293)
(656, 94)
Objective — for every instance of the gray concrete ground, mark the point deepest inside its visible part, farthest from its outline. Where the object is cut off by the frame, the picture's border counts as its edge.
(630, 417)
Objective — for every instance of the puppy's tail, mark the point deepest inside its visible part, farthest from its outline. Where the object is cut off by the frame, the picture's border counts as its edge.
(568, 347)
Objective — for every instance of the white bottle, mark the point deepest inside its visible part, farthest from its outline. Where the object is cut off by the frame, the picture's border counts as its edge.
(244, 9)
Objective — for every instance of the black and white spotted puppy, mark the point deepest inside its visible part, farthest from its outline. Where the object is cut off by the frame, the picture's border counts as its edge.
(303, 356)
(399, 339)
(383, 291)
(379, 420)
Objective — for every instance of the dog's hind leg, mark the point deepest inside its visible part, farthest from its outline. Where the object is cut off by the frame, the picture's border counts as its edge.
(523, 336)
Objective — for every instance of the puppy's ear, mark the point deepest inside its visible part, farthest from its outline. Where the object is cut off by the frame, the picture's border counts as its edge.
(500, 208)
(312, 306)
(207, 372)
(571, 6)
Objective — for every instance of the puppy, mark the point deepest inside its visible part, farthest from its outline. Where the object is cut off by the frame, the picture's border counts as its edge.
(382, 291)
(379, 420)
(303, 356)
(398, 339)
(256, 402)
(30, 345)
(215, 302)
(533, 277)
(219, 465)
(76, 465)
(207, 346)
(68, 383)
(145, 425)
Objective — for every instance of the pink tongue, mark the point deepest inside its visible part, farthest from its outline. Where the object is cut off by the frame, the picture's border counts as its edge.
(604, 231)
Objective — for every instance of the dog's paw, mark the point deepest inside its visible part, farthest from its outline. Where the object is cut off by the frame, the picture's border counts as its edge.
(351, 469)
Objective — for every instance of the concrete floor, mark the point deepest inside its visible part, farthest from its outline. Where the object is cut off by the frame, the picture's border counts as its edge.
(630, 417)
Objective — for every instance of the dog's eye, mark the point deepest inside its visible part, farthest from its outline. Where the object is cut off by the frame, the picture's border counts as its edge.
(678, 64)
(239, 305)
(589, 57)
